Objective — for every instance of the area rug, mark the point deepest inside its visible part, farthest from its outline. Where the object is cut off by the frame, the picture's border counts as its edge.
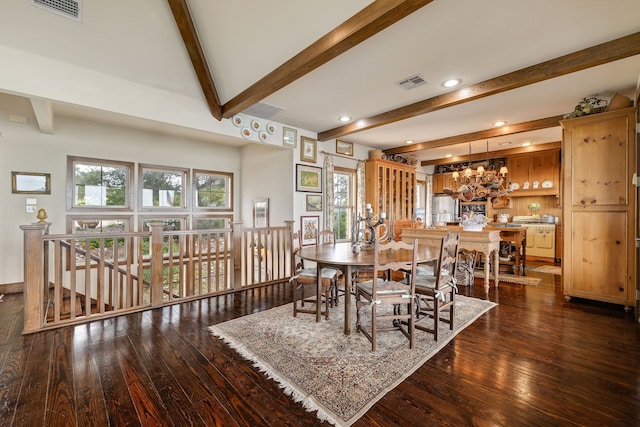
(548, 269)
(510, 278)
(336, 375)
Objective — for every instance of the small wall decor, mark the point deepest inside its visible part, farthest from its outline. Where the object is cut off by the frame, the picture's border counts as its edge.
(308, 151)
(261, 213)
(309, 229)
(314, 202)
(308, 178)
(30, 183)
(289, 137)
(343, 147)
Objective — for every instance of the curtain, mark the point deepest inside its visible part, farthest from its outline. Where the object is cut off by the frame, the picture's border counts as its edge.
(328, 194)
(360, 196)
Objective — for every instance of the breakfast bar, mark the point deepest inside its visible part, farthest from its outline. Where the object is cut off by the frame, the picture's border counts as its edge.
(485, 242)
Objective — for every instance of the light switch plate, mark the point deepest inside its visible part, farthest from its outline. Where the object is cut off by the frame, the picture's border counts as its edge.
(31, 208)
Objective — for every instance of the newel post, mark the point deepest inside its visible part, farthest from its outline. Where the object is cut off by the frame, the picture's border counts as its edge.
(33, 260)
(289, 247)
(157, 262)
(236, 254)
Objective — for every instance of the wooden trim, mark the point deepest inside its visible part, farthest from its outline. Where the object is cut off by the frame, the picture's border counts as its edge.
(603, 53)
(494, 154)
(368, 22)
(11, 288)
(532, 125)
(189, 35)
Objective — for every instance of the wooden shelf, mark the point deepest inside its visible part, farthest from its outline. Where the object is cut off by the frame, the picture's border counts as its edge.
(536, 192)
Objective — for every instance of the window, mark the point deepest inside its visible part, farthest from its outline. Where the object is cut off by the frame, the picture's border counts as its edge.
(213, 190)
(161, 187)
(344, 202)
(212, 222)
(103, 224)
(98, 184)
(169, 223)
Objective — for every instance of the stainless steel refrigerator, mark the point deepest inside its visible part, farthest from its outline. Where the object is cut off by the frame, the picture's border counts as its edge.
(443, 209)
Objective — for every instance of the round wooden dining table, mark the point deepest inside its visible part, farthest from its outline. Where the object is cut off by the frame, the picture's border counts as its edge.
(342, 256)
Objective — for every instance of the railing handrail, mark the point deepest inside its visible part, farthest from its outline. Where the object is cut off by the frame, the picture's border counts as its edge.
(139, 270)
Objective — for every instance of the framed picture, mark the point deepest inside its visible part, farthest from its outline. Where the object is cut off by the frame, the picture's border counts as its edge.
(308, 151)
(309, 229)
(289, 137)
(261, 213)
(314, 202)
(308, 178)
(30, 183)
(343, 147)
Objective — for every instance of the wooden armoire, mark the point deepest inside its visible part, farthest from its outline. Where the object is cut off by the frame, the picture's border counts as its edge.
(599, 207)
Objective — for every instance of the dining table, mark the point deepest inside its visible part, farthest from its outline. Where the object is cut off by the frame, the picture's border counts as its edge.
(342, 256)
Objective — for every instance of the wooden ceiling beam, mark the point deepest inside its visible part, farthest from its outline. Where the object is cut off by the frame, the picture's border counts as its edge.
(529, 126)
(191, 41)
(494, 154)
(603, 53)
(369, 21)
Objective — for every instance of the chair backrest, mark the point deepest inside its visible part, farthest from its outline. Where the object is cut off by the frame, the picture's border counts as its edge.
(392, 257)
(447, 264)
(296, 261)
(326, 237)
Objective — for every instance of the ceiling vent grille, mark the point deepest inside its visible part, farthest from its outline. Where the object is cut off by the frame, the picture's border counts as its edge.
(68, 8)
(263, 110)
(411, 82)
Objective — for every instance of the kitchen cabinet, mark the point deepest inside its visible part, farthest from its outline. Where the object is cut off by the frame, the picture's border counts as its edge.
(541, 166)
(442, 181)
(599, 156)
(559, 242)
(391, 188)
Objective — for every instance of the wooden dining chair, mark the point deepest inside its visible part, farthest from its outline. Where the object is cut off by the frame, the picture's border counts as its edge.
(328, 237)
(387, 297)
(435, 292)
(306, 276)
(466, 266)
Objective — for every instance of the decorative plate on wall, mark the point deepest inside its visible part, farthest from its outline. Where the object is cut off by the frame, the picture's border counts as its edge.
(246, 133)
(547, 184)
(237, 120)
(255, 125)
(263, 136)
(271, 128)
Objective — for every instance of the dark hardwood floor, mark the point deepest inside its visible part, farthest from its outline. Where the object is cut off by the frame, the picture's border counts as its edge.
(534, 360)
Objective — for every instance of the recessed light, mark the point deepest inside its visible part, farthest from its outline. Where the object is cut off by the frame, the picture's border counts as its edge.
(499, 123)
(526, 144)
(409, 141)
(344, 119)
(451, 82)
(448, 156)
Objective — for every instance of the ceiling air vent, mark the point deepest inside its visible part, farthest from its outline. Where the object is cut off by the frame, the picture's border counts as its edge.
(411, 82)
(68, 8)
(263, 110)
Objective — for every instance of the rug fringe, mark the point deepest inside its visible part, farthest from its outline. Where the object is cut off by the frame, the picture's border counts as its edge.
(298, 396)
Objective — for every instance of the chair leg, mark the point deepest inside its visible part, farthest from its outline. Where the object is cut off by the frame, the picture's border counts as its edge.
(374, 327)
(294, 297)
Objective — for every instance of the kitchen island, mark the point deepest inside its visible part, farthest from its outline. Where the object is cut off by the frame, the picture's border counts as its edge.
(485, 242)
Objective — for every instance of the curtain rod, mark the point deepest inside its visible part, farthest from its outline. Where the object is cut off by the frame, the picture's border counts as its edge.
(340, 155)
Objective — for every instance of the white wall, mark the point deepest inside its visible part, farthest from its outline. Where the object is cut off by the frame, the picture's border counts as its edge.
(266, 173)
(24, 148)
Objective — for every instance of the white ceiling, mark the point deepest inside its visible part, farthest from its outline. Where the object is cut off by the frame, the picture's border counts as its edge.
(137, 44)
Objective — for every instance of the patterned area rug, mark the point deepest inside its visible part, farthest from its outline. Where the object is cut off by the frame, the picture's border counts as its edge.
(548, 269)
(510, 278)
(331, 373)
